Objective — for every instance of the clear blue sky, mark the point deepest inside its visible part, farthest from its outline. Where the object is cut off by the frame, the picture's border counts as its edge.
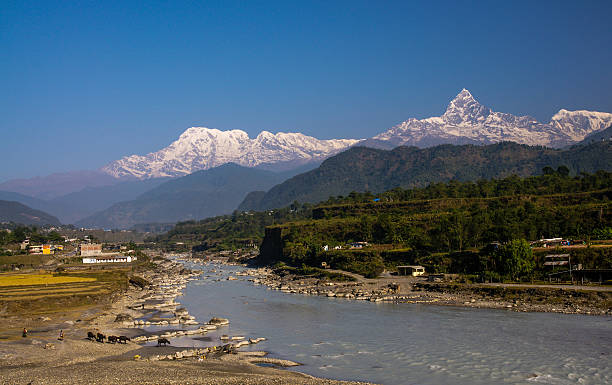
(83, 83)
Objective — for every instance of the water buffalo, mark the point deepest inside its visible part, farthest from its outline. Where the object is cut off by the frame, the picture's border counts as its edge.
(91, 336)
(123, 339)
(162, 341)
(100, 337)
(112, 339)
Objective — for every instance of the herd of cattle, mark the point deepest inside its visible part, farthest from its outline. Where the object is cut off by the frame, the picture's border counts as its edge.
(99, 337)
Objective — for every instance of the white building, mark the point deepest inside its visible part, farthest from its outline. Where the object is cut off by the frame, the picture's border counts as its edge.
(109, 259)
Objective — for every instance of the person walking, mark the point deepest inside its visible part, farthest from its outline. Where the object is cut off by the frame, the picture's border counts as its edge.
(25, 332)
(61, 336)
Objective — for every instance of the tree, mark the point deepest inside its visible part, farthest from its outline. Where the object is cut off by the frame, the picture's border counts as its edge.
(563, 171)
(548, 170)
(515, 259)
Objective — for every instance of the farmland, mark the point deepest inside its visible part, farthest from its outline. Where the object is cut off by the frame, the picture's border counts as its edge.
(36, 293)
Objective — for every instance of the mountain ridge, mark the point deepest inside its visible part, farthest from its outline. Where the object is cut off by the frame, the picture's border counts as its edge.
(200, 148)
(466, 121)
(366, 169)
(11, 211)
(201, 194)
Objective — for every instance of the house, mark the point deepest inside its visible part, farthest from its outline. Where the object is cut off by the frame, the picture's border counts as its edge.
(415, 271)
(35, 249)
(557, 260)
(90, 249)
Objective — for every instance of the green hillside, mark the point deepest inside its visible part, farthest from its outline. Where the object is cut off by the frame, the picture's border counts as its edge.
(446, 227)
(366, 169)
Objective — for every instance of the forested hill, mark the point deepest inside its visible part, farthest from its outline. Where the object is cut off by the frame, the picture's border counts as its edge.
(553, 204)
(366, 169)
(598, 136)
(16, 212)
(449, 227)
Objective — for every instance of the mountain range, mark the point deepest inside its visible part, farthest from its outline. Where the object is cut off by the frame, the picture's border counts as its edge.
(73, 206)
(465, 121)
(201, 148)
(201, 194)
(74, 196)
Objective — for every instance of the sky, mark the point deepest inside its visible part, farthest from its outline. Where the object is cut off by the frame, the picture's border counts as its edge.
(84, 83)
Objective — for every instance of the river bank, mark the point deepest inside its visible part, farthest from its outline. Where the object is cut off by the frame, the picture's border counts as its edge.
(398, 344)
(149, 303)
(586, 300)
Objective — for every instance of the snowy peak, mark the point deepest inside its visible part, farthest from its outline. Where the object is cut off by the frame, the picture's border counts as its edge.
(467, 121)
(578, 124)
(464, 108)
(201, 148)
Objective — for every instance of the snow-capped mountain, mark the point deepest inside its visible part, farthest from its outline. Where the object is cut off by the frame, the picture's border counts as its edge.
(201, 148)
(467, 121)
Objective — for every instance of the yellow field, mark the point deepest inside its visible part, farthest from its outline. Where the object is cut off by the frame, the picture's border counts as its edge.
(39, 279)
(48, 293)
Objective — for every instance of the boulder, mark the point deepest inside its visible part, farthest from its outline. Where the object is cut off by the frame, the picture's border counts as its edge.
(123, 317)
(218, 321)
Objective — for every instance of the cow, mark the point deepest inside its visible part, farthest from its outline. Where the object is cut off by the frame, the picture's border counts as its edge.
(112, 339)
(100, 337)
(123, 339)
(91, 336)
(162, 341)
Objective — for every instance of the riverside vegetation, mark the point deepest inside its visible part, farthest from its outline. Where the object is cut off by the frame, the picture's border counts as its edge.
(477, 229)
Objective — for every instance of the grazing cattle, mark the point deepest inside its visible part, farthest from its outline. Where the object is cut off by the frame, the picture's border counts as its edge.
(91, 336)
(162, 341)
(123, 339)
(112, 339)
(100, 337)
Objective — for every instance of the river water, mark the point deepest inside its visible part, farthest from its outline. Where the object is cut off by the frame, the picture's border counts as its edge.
(405, 343)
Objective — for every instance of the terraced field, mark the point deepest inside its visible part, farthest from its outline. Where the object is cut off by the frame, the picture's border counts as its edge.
(39, 279)
(48, 293)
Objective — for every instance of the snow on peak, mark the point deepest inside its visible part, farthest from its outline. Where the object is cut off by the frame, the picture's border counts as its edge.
(464, 121)
(464, 108)
(200, 148)
(467, 121)
(578, 124)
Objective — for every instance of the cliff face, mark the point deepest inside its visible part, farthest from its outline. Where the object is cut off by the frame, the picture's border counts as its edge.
(271, 249)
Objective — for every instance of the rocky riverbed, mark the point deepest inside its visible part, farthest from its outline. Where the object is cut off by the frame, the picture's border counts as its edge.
(519, 298)
(150, 302)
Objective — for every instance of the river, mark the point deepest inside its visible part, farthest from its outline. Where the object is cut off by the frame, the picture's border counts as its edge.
(405, 343)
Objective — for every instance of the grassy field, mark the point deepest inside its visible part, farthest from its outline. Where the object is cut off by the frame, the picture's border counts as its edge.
(23, 260)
